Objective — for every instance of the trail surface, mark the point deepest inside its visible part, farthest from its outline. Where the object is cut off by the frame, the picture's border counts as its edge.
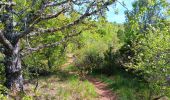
(101, 88)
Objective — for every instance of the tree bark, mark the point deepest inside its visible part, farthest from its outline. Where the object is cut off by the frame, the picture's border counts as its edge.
(14, 79)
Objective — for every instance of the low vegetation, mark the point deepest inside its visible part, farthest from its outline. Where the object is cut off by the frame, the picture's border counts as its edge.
(59, 85)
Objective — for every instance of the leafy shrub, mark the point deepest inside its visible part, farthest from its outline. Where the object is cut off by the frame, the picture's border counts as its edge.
(147, 45)
(3, 90)
(90, 57)
(152, 57)
(149, 53)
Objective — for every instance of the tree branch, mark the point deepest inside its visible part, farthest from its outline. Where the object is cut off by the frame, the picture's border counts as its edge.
(1, 48)
(7, 3)
(52, 16)
(52, 4)
(80, 19)
(4, 41)
(30, 50)
(123, 5)
(42, 18)
(52, 30)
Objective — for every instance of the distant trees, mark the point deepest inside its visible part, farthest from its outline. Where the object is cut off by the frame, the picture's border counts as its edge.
(21, 20)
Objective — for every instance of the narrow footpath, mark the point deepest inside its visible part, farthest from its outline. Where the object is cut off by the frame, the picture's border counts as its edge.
(101, 88)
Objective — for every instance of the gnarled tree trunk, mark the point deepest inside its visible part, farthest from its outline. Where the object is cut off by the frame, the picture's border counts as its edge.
(14, 79)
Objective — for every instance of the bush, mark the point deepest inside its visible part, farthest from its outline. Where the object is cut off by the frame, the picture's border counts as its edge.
(90, 57)
(150, 55)
(153, 58)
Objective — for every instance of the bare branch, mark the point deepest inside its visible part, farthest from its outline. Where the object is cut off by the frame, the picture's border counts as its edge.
(80, 2)
(54, 3)
(4, 41)
(47, 17)
(52, 16)
(42, 18)
(123, 5)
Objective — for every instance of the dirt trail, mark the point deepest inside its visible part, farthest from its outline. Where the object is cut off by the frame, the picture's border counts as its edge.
(101, 88)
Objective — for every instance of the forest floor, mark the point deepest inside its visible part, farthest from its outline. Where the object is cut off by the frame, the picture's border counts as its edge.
(66, 84)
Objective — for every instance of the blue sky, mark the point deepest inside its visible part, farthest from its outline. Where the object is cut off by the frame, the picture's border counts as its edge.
(120, 17)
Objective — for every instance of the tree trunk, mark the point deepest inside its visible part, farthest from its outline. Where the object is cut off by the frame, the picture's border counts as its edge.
(14, 79)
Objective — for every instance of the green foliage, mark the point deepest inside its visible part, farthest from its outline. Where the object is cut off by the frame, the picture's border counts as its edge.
(146, 48)
(152, 57)
(91, 58)
(96, 42)
(50, 59)
(3, 90)
(43, 63)
(2, 97)
(27, 98)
